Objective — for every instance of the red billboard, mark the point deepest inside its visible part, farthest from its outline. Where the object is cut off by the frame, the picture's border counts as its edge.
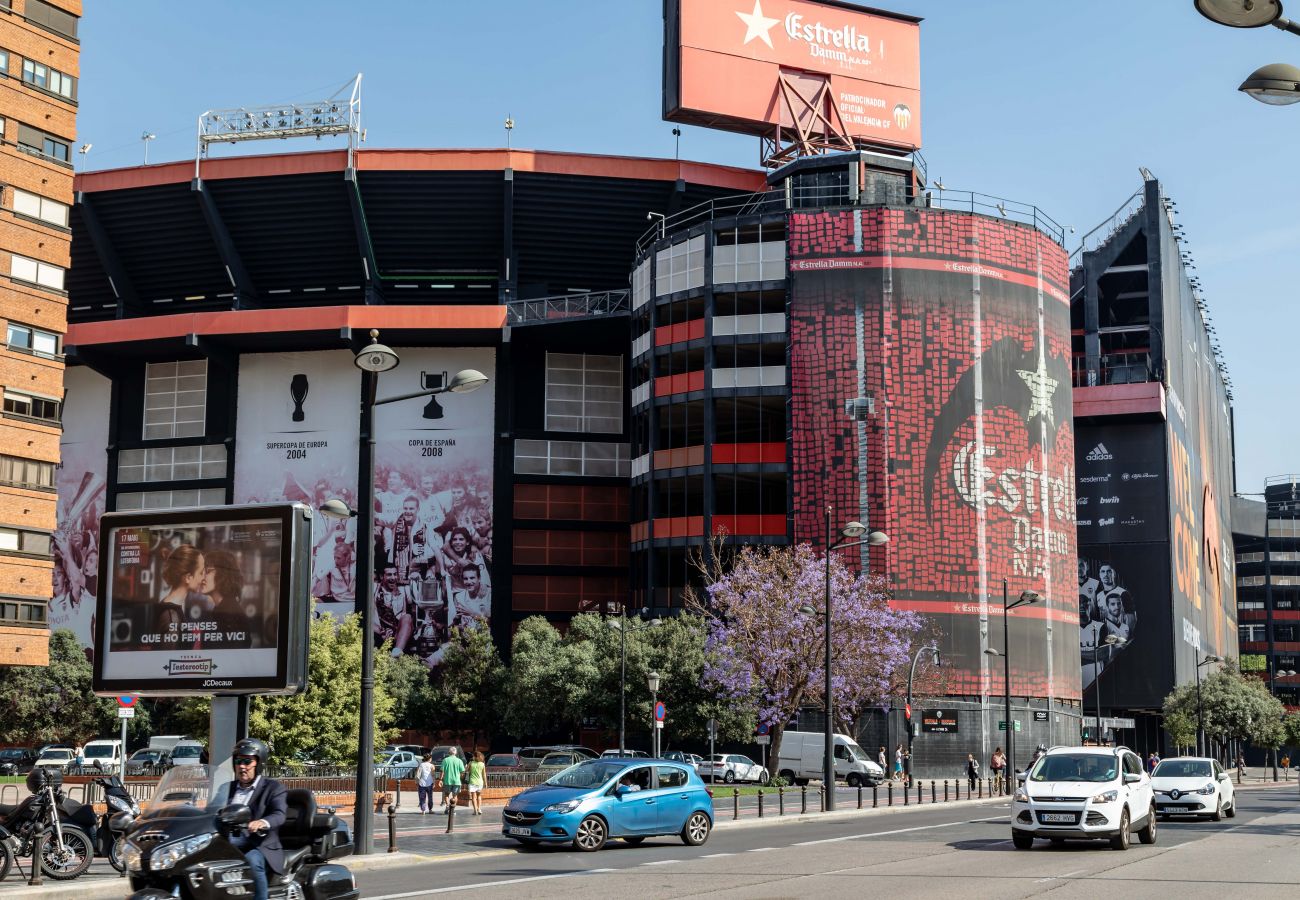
(957, 326)
(752, 65)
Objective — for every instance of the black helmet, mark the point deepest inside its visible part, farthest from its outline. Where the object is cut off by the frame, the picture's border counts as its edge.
(39, 776)
(1042, 748)
(253, 747)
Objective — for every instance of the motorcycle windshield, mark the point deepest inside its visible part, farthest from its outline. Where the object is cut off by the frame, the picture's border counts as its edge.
(187, 791)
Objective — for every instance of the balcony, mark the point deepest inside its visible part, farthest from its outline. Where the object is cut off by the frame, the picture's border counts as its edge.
(667, 385)
(676, 334)
(758, 323)
(737, 454)
(750, 526)
(679, 458)
(749, 376)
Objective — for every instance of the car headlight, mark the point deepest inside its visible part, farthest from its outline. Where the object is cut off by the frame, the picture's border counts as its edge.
(567, 806)
(1106, 797)
(1208, 789)
(1022, 795)
(132, 857)
(168, 855)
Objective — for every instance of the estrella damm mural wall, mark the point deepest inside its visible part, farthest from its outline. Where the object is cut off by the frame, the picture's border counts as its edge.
(956, 326)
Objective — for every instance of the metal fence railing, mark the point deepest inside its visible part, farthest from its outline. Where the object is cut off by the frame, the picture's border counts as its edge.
(1102, 233)
(567, 306)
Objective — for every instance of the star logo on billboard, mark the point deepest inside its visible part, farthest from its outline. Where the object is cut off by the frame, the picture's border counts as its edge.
(757, 25)
(1041, 387)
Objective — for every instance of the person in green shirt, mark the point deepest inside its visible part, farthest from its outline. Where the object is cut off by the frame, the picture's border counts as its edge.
(476, 778)
(450, 771)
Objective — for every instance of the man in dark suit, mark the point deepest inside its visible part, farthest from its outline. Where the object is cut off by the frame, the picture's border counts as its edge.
(265, 798)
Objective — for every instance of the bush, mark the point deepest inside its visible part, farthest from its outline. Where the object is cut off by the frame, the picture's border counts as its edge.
(778, 781)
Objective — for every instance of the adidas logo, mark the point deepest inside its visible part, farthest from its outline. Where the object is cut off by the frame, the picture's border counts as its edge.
(1098, 453)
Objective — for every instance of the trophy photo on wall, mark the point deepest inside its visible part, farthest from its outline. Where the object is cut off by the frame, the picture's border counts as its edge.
(298, 391)
(432, 409)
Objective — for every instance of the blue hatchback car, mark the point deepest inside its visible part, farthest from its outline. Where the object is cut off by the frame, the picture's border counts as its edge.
(598, 799)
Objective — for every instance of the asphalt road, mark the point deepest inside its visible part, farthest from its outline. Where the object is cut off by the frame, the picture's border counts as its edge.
(913, 853)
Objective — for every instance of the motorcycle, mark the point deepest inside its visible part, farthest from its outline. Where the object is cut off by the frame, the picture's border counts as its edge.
(121, 811)
(181, 847)
(65, 825)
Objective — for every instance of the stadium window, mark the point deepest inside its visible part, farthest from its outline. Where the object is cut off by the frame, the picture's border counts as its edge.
(175, 399)
(584, 393)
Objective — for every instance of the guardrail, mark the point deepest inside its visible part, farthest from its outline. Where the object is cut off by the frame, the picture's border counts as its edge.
(1102, 233)
(567, 306)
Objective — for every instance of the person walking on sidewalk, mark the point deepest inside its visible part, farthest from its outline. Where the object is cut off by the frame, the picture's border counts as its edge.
(1241, 767)
(424, 777)
(449, 777)
(997, 765)
(476, 776)
(972, 770)
(898, 763)
(1286, 768)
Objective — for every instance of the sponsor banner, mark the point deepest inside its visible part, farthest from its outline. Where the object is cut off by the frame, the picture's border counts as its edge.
(204, 601)
(433, 503)
(81, 481)
(297, 442)
(940, 721)
(1027, 279)
(1124, 596)
(1121, 494)
(747, 65)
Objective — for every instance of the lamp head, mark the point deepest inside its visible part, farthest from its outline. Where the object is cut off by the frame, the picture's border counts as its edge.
(1212, 659)
(652, 682)
(877, 539)
(992, 651)
(334, 508)
(1277, 84)
(466, 380)
(853, 530)
(375, 357)
(1240, 13)
(807, 610)
(1030, 597)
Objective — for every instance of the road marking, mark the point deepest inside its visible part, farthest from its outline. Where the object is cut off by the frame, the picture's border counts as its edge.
(491, 884)
(661, 862)
(761, 849)
(871, 834)
(1059, 877)
(715, 855)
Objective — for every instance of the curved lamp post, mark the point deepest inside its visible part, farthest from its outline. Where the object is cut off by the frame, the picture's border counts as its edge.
(1025, 598)
(652, 682)
(371, 360)
(1200, 715)
(1277, 84)
(623, 625)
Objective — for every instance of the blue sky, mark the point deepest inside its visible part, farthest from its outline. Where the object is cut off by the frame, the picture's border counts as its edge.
(1051, 103)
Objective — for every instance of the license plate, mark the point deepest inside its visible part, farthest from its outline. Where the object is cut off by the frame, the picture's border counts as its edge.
(1066, 818)
(520, 829)
(1170, 809)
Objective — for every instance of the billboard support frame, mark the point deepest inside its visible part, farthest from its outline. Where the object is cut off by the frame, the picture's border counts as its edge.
(806, 114)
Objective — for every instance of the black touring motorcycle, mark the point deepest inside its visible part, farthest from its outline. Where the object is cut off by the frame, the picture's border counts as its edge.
(180, 846)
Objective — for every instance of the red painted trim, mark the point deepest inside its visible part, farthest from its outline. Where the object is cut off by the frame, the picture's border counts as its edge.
(958, 607)
(259, 321)
(857, 261)
(749, 453)
(750, 525)
(584, 164)
(666, 385)
(681, 456)
(682, 331)
(1120, 400)
(1290, 615)
(679, 526)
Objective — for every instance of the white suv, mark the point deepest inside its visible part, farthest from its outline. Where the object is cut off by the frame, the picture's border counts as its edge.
(1084, 793)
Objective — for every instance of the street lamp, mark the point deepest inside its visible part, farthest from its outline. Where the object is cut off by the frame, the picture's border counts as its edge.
(1025, 598)
(873, 539)
(622, 626)
(1200, 715)
(371, 360)
(652, 682)
(1277, 84)
(934, 650)
(1113, 642)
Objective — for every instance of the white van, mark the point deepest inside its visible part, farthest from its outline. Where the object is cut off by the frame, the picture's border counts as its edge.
(103, 754)
(803, 754)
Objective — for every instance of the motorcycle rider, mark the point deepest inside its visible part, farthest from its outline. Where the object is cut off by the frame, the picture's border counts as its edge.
(265, 798)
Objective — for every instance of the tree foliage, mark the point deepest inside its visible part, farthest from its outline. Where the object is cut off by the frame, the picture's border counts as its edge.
(766, 653)
(323, 720)
(466, 691)
(1234, 706)
(42, 704)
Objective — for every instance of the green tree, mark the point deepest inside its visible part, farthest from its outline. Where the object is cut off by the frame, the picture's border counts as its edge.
(537, 696)
(41, 704)
(323, 720)
(1239, 707)
(412, 692)
(467, 687)
(1180, 715)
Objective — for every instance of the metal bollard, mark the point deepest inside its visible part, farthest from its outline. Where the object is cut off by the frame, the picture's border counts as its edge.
(859, 795)
(981, 789)
(932, 794)
(891, 793)
(392, 828)
(780, 801)
(760, 803)
(37, 855)
(735, 803)
(918, 792)
(821, 798)
(803, 799)
(945, 790)
(907, 793)
(875, 796)
(451, 813)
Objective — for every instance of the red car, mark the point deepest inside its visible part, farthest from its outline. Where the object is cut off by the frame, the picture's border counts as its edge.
(504, 764)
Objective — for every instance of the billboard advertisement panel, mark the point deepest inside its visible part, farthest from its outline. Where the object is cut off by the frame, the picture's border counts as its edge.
(724, 61)
(1122, 494)
(957, 326)
(81, 481)
(297, 441)
(204, 601)
(433, 503)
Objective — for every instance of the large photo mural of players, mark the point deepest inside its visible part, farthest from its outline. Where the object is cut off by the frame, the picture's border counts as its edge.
(433, 503)
(81, 483)
(297, 442)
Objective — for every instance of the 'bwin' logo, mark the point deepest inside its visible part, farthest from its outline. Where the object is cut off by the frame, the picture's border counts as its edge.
(1098, 453)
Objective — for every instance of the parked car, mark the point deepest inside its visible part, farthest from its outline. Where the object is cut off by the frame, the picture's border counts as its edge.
(560, 759)
(401, 764)
(1193, 786)
(691, 759)
(147, 761)
(504, 764)
(532, 757)
(17, 760)
(417, 749)
(598, 799)
(732, 767)
(439, 753)
(188, 753)
(61, 758)
(585, 751)
(1087, 793)
(625, 754)
(803, 756)
(104, 753)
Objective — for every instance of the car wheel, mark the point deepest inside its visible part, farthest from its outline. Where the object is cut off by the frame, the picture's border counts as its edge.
(787, 775)
(1023, 840)
(764, 777)
(1217, 815)
(1231, 811)
(696, 830)
(853, 779)
(591, 834)
(633, 840)
(1148, 833)
(730, 777)
(1121, 840)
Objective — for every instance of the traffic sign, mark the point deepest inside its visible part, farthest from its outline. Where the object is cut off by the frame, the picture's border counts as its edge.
(1002, 725)
(126, 712)
(763, 740)
(713, 728)
(125, 701)
(763, 728)
(660, 711)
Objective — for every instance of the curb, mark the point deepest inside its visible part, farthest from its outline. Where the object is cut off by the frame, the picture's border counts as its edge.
(839, 814)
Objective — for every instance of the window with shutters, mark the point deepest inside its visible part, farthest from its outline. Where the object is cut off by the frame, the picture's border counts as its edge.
(37, 207)
(51, 18)
(36, 272)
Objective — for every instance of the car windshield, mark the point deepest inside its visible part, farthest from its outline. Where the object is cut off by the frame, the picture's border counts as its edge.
(145, 754)
(590, 773)
(1183, 768)
(501, 759)
(1090, 767)
(190, 752)
(855, 752)
(101, 752)
(57, 754)
(11, 754)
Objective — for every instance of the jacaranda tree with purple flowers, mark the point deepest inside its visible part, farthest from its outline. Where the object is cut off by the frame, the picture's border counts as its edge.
(763, 652)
